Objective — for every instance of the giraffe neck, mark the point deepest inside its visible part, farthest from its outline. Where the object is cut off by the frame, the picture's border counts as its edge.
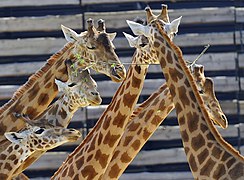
(59, 113)
(145, 120)
(91, 157)
(37, 93)
(207, 153)
(11, 158)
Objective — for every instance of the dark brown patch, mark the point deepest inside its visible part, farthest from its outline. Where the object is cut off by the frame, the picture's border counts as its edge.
(122, 89)
(181, 120)
(89, 157)
(216, 152)
(163, 50)
(230, 162)
(155, 101)
(136, 144)
(7, 166)
(187, 150)
(128, 100)
(119, 120)
(197, 142)
(207, 168)
(184, 136)
(202, 156)
(141, 115)
(89, 172)
(237, 171)
(162, 63)
(138, 69)
(183, 96)
(210, 136)
(43, 99)
(219, 172)
(110, 139)
(62, 113)
(146, 134)
(149, 114)
(10, 149)
(3, 176)
(79, 162)
(127, 85)
(3, 156)
(175, 75)
(127, 140)
(172, 90)
(225, 156)
(133, 126)
(114, 172)
(203, 128)
(136, 82)
(116, 154)
(192, 96)
(156, 120)
(91, 146)
(156, 44)
(71, 171)
(106, 122)
(192, 121)
(100, 137)
(102, 158)
(192, 163)
(125, 158)
(169, 57)
(48, 85)
(117, 106)
(33, 91)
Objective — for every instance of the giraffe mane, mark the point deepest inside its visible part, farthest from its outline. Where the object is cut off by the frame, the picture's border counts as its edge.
(200, 102)
(20, 91)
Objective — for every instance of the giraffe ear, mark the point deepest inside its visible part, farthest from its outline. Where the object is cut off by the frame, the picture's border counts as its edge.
(138, 29)
(62, 87)
(69, 34)
(172, 28)
(111, 36)
(133, 41)
(13, 137)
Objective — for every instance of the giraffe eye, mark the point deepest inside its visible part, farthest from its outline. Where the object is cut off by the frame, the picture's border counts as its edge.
(39, 131)
(72, 84)
(91, 48)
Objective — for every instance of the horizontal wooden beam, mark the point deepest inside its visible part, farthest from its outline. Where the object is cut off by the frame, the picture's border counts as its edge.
(108, 88)
(13, 3)
(211, 62)
(116, 20)
(43, 23)
(36, 46)
(239, 15)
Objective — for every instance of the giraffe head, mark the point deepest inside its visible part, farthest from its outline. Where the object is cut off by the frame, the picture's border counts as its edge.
(205, 87)
(81, 88)
(94, 48)
(39, 138)
(170, 29)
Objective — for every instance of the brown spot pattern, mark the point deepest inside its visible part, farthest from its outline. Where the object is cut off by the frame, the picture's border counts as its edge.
(127, 140)
(119, 120)
(125, 158)
(43, 99)
(175, 75)
(184, 136)
(216, 152)
(192, 163)
(102, 158)
(136, 144)
(110, 139)
(207, 168)
(183, 96)
(202, 156)
(219, 172)
(192, 121)
(237, 171)
(114, 171)
(89, 172)
(128, 100)
(136, 82)
(197, 142)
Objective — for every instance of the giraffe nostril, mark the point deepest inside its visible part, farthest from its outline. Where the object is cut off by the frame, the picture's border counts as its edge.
(94, 93)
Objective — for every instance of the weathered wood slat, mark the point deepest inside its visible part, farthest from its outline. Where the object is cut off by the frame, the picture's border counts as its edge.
(190, 16)
(239, 15)
(241, 60)
(157, 176)
(31, 46)
(14, 3)
(90, 2)
(35, 46)
(108, 88)
(43, 23)
(211, 62)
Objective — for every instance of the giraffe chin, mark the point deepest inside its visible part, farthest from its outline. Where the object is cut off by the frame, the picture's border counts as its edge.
(95, 102)
(117, 76)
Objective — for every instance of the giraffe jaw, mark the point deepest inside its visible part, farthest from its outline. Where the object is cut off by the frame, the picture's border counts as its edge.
(117, 74)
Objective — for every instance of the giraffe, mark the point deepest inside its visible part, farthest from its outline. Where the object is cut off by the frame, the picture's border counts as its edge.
(208, 154)
(145, 120)
(92, 48)
(26, 142)
(90, 159)
(79, 91)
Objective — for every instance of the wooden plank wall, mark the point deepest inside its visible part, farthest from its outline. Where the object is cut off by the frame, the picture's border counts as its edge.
(30, 32)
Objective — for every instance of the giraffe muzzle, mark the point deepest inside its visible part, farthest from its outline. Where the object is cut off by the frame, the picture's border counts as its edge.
(117, 73)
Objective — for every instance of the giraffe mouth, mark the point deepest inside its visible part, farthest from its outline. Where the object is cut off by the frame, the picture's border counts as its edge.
(117, 74)
(95, 101)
